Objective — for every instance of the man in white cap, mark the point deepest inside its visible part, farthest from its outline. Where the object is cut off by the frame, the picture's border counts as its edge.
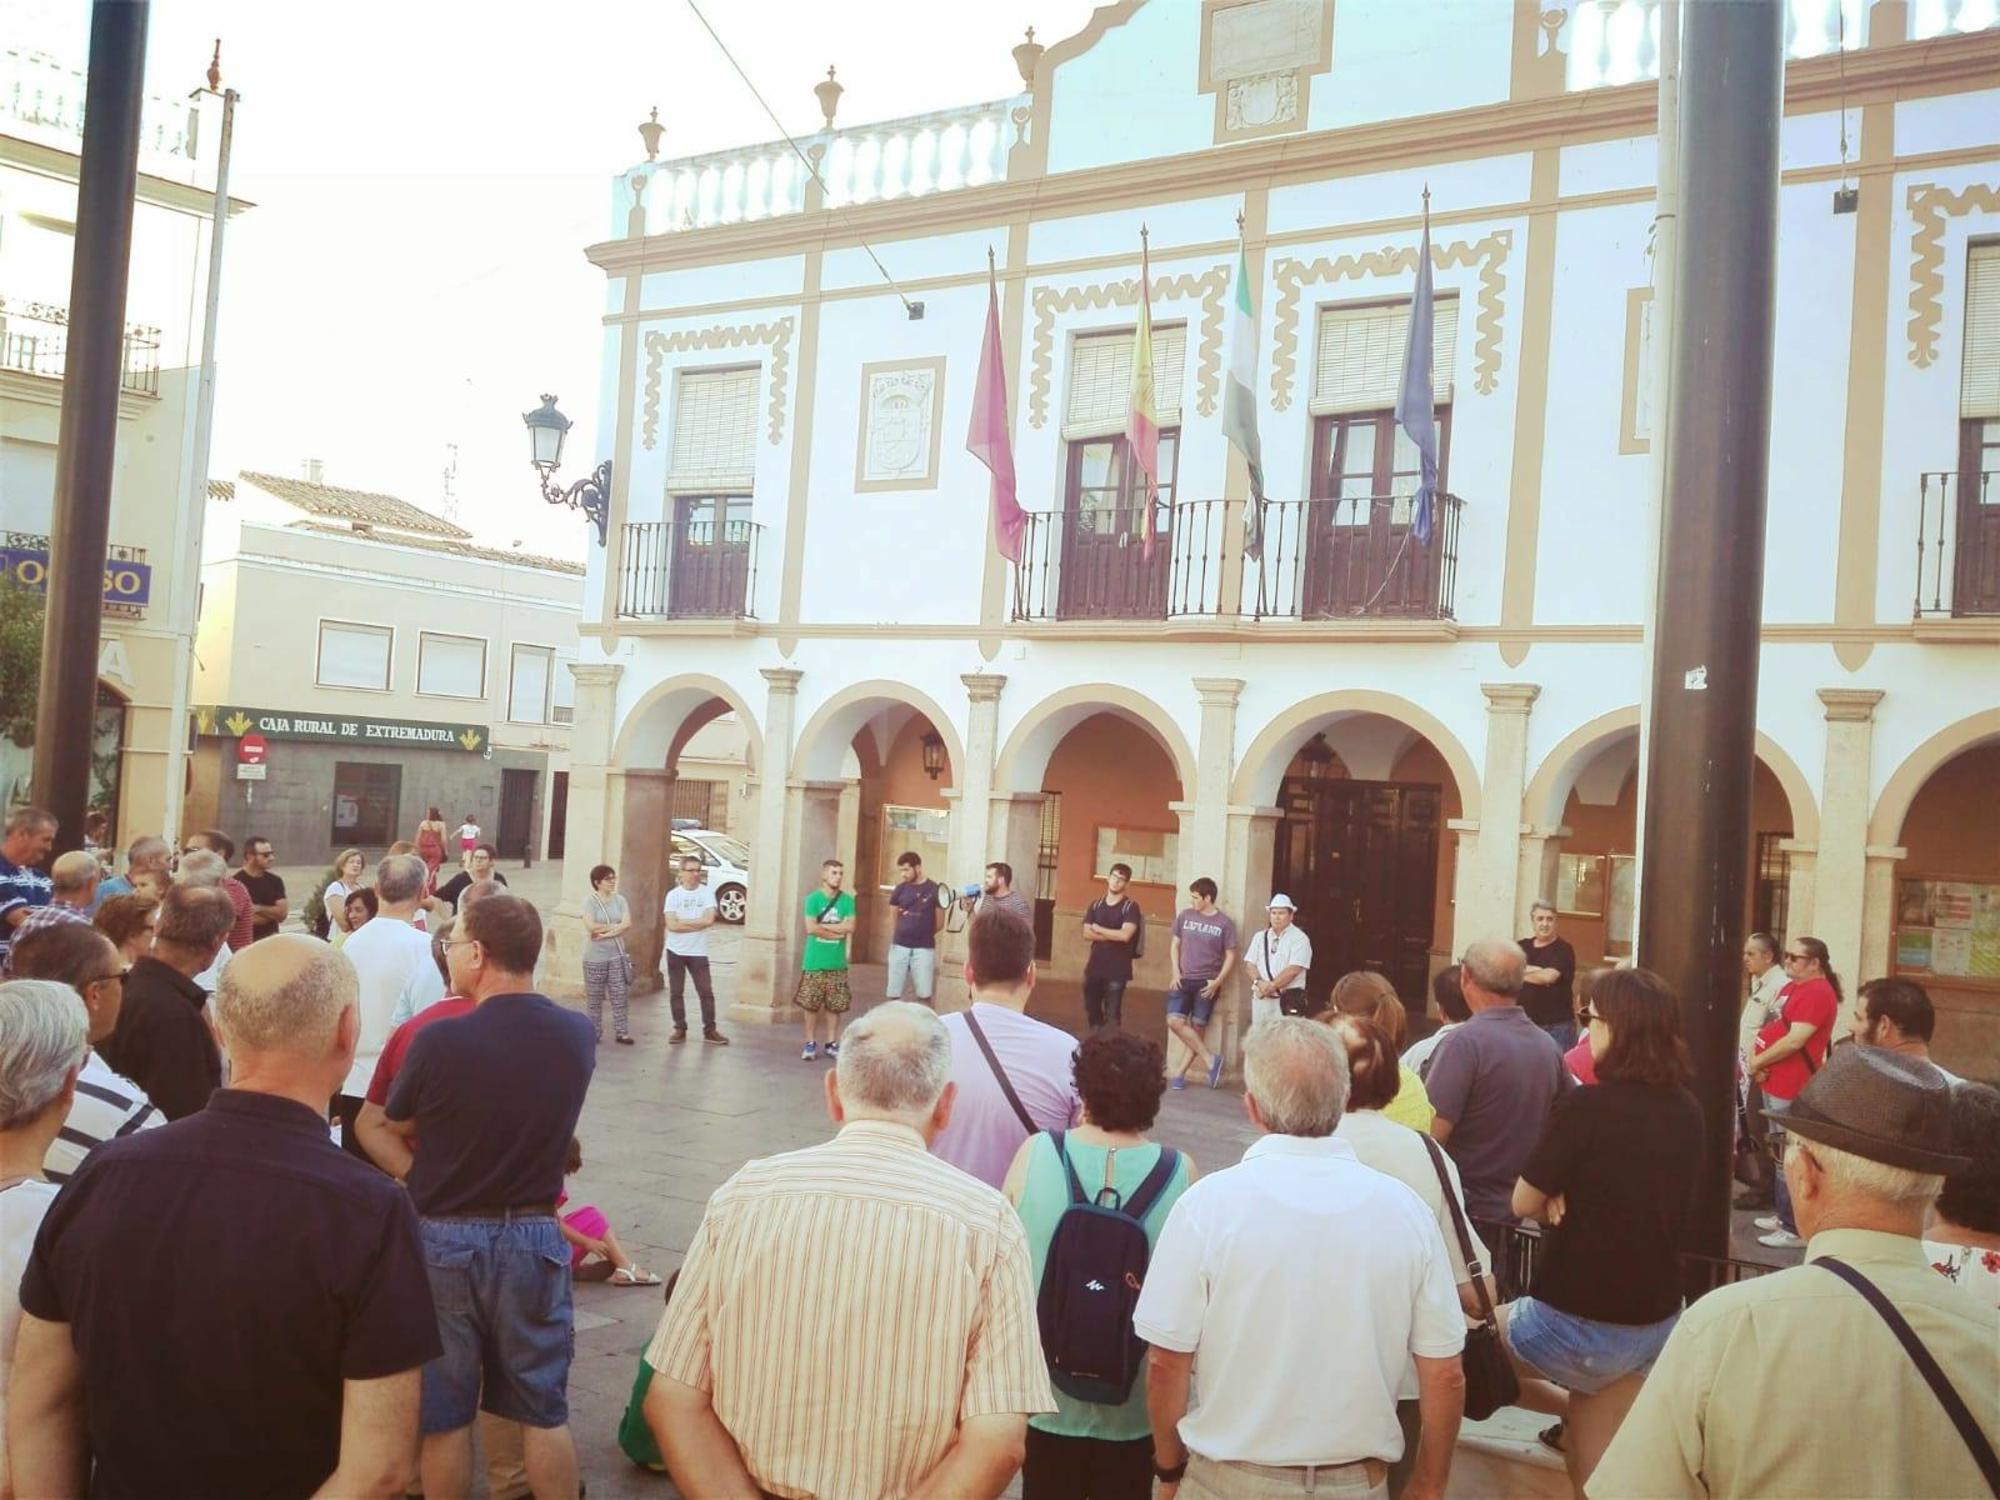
(1861, 1372)
(1278, 959)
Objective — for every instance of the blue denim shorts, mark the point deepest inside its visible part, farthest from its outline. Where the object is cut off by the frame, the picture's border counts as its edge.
(503, 1295)
(1582, 1354)
(1186, 999)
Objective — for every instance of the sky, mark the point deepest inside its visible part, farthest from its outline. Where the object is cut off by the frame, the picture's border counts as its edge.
(427, 175)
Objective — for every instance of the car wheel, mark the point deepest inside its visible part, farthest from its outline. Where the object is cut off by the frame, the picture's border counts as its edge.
(732, 903)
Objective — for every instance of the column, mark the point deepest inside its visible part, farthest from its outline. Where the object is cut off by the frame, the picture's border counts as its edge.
(1206, 831)
(971, 799)
(1801, 885)
(1535, 878)
(770, 941)
(592, 736)
(1486, 897)
(643, 802)
(1249, 842)
(1465, 926)
(1878, 918)
(1840, 869)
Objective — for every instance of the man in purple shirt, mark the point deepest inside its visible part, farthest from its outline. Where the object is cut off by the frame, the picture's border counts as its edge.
(1015, 1076)
(1204, 956)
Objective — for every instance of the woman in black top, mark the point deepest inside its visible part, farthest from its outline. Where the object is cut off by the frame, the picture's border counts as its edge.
(1614, 1177)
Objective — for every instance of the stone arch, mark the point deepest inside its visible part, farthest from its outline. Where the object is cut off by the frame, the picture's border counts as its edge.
(1263, 764)
(669, 713)
(1885, 828)
(829, 733)
(1024, 760)
(1556, 777)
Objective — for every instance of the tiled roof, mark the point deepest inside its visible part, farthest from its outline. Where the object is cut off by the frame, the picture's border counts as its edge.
(457, 549)
(335, 504)
(222, 489)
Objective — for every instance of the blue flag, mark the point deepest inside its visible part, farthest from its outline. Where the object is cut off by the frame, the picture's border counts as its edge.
(1416, 401)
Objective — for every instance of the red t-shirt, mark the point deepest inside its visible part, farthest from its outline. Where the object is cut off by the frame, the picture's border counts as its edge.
(242, 934)
(390, 1063)
(1809, 1002)
(1582, 1066)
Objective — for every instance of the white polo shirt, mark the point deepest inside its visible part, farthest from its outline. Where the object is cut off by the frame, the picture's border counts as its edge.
(1303, 1282)
(1271, 953)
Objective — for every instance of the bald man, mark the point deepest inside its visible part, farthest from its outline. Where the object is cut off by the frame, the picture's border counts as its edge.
(72, 894)
(236, 1236)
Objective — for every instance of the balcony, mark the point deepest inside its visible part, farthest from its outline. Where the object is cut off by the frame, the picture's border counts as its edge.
(907, 158)
(1958, 545)
(34, 340)
(42, 98)
(697, 567)
(1322, 560)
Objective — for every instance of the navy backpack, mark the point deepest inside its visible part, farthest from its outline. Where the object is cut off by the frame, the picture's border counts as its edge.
(1090, 1284)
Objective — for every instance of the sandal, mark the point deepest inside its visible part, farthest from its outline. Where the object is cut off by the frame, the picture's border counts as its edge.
(632, 1275)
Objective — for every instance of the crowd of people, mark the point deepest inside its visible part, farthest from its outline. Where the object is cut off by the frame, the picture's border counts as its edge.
(997, 1265)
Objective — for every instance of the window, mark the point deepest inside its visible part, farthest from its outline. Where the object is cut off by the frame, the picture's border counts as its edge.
(529, 683)
(451, 666)
(715, 432)
(1580, 885)
(1771, 892)
(354, 656)
(1100, 381)
(1979, 383)
(1360, 358)
(562, 694)
(365, 798)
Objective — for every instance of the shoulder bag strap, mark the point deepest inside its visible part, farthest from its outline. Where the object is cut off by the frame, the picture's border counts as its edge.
(1927, 1366)
(1020, 1110)
(1472, 1262)
(1148, 1192)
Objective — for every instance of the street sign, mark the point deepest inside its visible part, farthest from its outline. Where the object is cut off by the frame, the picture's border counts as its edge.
(252, 750)
(251, 770)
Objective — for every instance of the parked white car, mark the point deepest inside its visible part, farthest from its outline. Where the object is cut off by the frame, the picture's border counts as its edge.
(725, 868)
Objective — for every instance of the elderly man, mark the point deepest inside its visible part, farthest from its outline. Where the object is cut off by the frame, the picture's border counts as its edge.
(398, 979)
(1868, 1144)
(753, 1390)
(1493, 1081)
(1897, 1016)
(1300, 1369)
(150, 859)
(205, 870)
(230, 1275)
(108, 1106)
(72, 894)
(494, 1097)
(223, 847)
(30, 835)
(163, 1042)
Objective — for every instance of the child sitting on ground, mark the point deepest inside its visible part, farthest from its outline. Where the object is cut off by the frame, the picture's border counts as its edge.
(594, 1251)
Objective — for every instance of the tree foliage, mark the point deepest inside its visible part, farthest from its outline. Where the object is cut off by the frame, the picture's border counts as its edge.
(20, 660)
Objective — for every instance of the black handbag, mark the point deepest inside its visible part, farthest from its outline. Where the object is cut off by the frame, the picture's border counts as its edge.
(1490, 1382)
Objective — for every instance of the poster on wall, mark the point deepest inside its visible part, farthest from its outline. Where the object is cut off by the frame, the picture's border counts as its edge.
(1153, 855)
(1949, 929)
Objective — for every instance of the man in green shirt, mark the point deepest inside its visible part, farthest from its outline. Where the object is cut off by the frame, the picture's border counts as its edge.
(823, 974)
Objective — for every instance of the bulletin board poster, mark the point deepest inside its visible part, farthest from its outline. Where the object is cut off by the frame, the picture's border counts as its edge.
(1948, 929)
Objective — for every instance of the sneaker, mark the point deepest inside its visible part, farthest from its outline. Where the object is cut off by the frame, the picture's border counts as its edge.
(680, 1035)
(1215, 1070)
(712, 1035)
(1551, 1437)
(1779, 1239)
(1178, 1083)
(1769, 1222)
(833, 1049)
(811, 1052)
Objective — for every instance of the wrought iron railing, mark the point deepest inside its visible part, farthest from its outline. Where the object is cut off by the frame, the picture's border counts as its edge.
(1092, 563)
(698, 569)
(1958, 543)
(1516, 1246)
(34, 340)
(1356, 558)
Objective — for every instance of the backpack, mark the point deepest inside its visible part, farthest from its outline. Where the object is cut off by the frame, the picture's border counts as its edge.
(1139, 937)
(1091, 1278)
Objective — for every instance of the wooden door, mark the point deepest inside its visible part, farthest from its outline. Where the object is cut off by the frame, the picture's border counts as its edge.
(517, 810)
(1361, 858)
(1975, 586)
(1361, 556)
(710, 570)
(558, 815)
(1106, 574)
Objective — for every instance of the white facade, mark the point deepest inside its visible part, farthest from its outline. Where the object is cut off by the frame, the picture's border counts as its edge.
(1513, 679)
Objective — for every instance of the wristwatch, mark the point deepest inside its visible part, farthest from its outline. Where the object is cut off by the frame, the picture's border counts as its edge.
(1170, 1475)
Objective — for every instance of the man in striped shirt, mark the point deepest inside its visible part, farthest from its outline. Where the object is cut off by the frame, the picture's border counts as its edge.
(856, 1319)
(108, 1105)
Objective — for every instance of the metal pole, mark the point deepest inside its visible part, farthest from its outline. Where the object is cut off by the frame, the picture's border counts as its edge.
(194, 518)
(1710, 600)
(86, 451)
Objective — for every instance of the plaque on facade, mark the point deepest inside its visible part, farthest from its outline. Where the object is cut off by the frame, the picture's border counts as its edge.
(901, 423)
(1258, 57)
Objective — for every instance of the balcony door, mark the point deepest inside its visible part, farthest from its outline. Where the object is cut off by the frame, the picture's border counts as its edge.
(1976, 572)
(710, 570)
(1361, 557)
(1106, 574)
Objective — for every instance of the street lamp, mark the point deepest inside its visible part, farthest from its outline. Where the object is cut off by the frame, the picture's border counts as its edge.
(592, 494)
(934, 756)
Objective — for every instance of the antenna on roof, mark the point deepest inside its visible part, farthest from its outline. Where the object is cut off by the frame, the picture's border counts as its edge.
(450, 505)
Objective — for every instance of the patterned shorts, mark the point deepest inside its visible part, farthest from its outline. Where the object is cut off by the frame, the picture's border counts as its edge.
(823, 989)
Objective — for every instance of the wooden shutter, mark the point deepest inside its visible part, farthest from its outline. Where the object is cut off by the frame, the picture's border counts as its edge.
(1100, 380)
(1979, 386)
(715, 432)
(1360, 357)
